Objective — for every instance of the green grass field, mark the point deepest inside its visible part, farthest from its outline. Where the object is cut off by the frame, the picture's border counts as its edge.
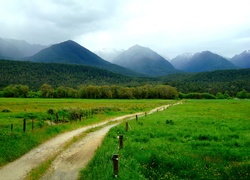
(199, 139)
(15, 143)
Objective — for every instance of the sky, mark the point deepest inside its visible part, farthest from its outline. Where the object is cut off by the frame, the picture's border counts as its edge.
(169, 27)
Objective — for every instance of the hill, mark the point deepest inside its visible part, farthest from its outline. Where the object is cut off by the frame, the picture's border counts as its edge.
(69, 52)
(144, 60)
(242, 60)
(202, 62)
(36, 74)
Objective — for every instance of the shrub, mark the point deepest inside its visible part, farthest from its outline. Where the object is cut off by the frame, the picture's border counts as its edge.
(6, 110)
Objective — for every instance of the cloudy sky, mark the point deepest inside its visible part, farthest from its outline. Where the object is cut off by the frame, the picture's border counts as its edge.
(169, 27)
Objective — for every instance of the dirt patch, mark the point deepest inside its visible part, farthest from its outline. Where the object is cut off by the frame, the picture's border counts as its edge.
(68, 164)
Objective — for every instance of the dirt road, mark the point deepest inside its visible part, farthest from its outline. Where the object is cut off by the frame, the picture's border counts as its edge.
(68, 163)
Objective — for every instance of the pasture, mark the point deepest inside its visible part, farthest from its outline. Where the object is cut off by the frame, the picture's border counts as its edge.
(45, 118)
(199, 139)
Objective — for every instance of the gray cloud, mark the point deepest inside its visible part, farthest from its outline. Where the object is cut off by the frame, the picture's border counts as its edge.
(169, 27)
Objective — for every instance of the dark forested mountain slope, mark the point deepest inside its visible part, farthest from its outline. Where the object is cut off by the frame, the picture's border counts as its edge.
(231, 81)
(144, 60)
(36, 74)
(69, 52)
(204, 61)
(242, 60)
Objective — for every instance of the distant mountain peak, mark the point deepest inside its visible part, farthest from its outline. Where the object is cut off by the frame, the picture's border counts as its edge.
(144, 60)
(242, 60)
(201, 62)
(247, 51)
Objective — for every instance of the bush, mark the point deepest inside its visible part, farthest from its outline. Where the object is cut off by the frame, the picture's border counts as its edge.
(6, 110)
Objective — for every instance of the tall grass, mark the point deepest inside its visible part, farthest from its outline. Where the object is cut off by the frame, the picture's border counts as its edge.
(206, 139)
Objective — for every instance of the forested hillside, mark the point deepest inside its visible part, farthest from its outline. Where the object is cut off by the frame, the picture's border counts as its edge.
(229, 81)
(35, 74)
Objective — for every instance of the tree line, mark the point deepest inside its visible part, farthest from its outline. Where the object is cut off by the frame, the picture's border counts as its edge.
(113, 92)
(93, 92)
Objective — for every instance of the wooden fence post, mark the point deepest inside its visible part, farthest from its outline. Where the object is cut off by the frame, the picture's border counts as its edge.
(24, 125)
(56, 117)
(116, 165)
(120, 141)
(32, 124)
(136, 117)
(126, 126)
(145, 114)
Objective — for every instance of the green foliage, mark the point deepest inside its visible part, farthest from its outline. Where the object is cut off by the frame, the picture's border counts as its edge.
(224, 81)
(16, 90)
(206, 140)
(104, 92)
(35, 75)
(243, 94)
(197, 96)
(6, 110)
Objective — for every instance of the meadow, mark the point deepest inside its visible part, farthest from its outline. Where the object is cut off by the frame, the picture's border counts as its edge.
(46, 118)
(199, 139)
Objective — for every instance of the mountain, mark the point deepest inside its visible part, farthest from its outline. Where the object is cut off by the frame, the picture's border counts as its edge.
(180, 61)
(205, 61)
(26, 48)
(144, 60)
(69, 52)
(8, 50)
(109, 54)
(242, 60)
(15, 49)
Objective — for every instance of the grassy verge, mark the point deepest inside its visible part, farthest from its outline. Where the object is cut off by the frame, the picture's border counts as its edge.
(15, 143)
(206, 139)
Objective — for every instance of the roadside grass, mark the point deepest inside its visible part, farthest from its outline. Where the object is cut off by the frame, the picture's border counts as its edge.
(15, 143)
(200, 139)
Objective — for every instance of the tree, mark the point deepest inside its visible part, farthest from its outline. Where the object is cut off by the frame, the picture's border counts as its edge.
(242, 94)
(47, 91)
(16, 90)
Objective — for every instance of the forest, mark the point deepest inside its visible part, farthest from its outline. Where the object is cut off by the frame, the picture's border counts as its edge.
(28, 79)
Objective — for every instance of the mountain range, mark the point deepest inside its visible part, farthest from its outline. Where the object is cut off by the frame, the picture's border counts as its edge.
(69, 52)
(136, 61)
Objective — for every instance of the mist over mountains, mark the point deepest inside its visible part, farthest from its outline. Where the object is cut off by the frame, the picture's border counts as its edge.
(12, 48)
(136, 61)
